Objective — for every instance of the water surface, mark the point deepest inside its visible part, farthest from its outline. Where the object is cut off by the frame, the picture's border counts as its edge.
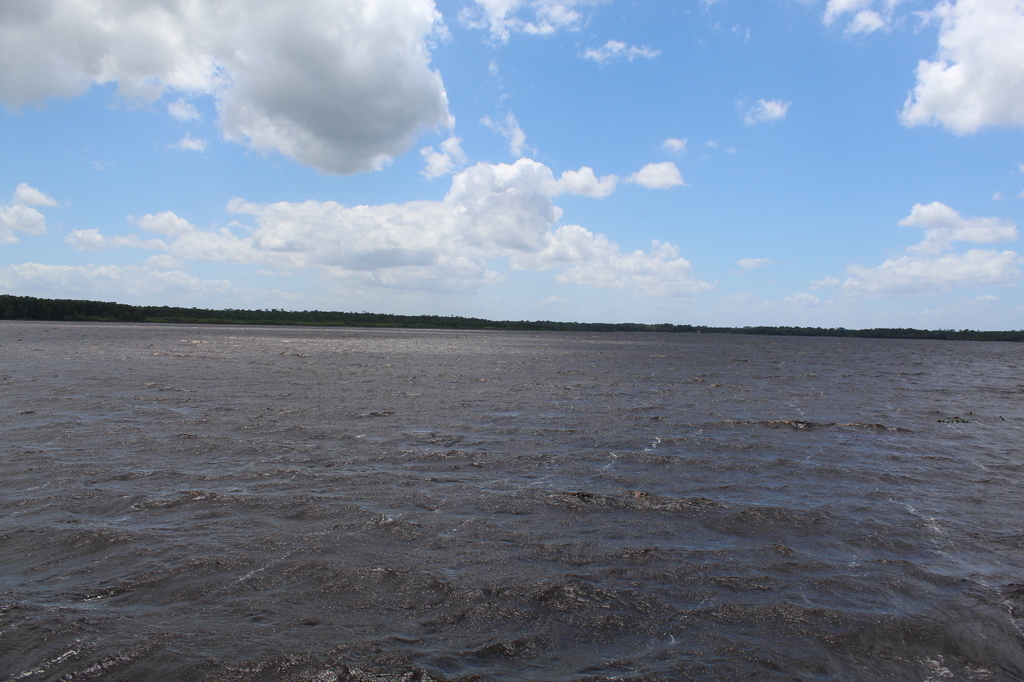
(243, 503)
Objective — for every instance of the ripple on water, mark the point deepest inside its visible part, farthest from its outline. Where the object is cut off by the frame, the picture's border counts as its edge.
(344, 504)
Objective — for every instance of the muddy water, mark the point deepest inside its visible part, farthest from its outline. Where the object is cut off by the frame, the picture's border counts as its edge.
(243, 503)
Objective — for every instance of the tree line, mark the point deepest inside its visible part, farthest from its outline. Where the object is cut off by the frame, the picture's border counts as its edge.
(67, 310)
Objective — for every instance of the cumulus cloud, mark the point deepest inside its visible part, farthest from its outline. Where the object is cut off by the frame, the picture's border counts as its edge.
(510, 130)
(445, 160)
(586, 183)
(663, 175)
(616, 49)
(932, 273)
(491, 211)
(188, 242)
(802, 300)
(598, 262)
(189, 143)
(837, 8)
(766, 111)
(674, 145)
(911, 275)
(19, 216)
(165, 223)
(943, 225)
(865, 19)
(92, 240)
(107, 281)
(977, 78)
(535, 17)
(27, 195)
(182, 110)
(339, 86)
(826, 283)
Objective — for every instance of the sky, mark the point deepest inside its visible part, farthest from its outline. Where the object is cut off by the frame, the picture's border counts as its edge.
(853, 163)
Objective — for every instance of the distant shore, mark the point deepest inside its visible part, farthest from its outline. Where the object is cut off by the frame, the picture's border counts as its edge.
(68, 310)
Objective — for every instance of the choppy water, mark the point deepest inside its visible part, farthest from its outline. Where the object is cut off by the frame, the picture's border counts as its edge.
(197, 502)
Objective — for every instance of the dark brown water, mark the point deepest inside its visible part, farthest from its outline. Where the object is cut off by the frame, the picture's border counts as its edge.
(195, 502)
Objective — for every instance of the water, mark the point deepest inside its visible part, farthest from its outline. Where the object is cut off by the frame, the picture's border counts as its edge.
(242, 503)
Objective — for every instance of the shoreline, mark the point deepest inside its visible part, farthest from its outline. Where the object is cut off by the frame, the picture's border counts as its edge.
(28, 308)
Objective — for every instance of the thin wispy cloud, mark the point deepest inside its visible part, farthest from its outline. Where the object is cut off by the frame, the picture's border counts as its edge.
(616, 49)
(510, 130)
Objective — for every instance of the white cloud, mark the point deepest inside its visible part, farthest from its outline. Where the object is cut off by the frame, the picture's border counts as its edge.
(867, 21)
(615, 49)
(18, 216)
(943, 226)
(657, 176)
(27, 195)
(802, 300)
(92, 240)
(510, 130)
(188, 242)
(584, 182)
(837, 8)
(977, 79)
(826, 283)
(189, 143)
(165, 262)
(182, 110)
(492, 211)
(751, 263)
(108, 282)
(165, 223)
(932, 273)
(445, 160)
(674, 145)
(911, 275)
(535, 17)
(340, 86)
(766, 111)
(600, 263)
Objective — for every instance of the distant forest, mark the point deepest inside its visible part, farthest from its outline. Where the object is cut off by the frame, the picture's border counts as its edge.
(62, 310)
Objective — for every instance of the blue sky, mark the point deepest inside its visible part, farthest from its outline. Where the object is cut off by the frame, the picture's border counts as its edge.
(848, 163)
